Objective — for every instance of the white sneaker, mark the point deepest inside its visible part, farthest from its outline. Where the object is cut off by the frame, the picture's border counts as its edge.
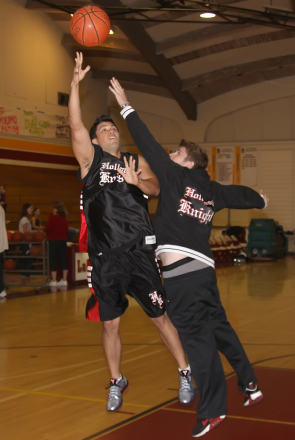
(62, 283)
(3, 294)
(53, 284)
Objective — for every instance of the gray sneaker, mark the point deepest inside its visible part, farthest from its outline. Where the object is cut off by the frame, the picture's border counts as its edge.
(117, 387)
(186, 393)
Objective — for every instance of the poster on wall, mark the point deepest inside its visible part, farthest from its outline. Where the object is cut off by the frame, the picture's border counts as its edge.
(249, 166)
(34, 124)
(224, 165)
(208, 152)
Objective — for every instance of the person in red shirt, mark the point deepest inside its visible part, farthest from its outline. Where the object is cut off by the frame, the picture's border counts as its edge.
(57, 230)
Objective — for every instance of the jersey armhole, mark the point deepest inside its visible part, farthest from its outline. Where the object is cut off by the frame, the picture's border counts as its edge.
(96, 159)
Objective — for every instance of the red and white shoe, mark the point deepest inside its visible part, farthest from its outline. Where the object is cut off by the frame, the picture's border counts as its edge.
(252, 394)
(205, 425)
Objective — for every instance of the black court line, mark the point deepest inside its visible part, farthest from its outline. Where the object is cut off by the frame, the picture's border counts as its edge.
(155, 408)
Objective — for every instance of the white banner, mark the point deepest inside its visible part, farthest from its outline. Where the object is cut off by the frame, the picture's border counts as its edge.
(225, 161)
(34, 124)
(249, 166)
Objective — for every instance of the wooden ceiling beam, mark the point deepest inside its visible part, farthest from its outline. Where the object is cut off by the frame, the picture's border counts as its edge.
(135, 81)
(206, 33)
(113, 54)
(146, 46)
(210, 91)
(230, 45)
(129, 77)
(238, 70)
(119, 44)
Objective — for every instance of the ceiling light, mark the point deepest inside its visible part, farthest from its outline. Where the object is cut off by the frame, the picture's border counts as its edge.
(72, 15)
(111, 32)
(207, 15)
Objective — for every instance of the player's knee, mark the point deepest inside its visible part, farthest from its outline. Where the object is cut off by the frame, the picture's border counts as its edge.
(111, 327)
(161, 321)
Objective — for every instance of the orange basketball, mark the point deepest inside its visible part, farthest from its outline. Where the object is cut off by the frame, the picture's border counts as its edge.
(9, 265)
(39, 236)
(28, 236)
(90, 26)
(17, 236)
(36, 251)
(9, 236)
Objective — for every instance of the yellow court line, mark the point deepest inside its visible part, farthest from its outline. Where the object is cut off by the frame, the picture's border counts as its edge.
(68, 397)
(234, 417)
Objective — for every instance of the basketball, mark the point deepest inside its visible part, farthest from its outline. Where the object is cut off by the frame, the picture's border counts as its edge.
(36, 251)
(17, 236)
(39, 236)
(90, 26)
(9, 235)
(9, 265)
(28, 236)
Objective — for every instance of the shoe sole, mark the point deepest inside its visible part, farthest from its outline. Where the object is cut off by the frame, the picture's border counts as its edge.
(212, 425)
(114, 410)
(252, 401)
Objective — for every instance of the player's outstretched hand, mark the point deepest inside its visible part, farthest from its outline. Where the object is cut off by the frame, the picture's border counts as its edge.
(79, 73)
(131, 176)
(118, 91)
(266, 198)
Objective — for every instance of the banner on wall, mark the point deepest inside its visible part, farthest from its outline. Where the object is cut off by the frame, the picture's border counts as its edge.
(225, 162)
(248, 166)
(34, 124)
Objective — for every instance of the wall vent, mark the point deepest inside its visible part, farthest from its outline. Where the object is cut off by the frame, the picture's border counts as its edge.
(63, 99)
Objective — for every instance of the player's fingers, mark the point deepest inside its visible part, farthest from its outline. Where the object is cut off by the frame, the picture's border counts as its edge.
(126, 162)
(120, 171)
(138, 172)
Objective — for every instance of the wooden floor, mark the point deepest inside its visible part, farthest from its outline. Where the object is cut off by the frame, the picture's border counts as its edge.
(53, 373)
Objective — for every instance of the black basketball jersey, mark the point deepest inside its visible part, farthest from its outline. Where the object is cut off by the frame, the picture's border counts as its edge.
(116, 213)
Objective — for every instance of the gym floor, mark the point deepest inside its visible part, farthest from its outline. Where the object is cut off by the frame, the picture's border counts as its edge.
(53, 372)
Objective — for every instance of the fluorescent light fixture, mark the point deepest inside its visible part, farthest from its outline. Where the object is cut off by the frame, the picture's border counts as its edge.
(207, 15)
(111, 32)
(72, 15)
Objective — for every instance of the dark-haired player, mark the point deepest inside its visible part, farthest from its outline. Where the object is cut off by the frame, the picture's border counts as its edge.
(183, 223)
(119, 238)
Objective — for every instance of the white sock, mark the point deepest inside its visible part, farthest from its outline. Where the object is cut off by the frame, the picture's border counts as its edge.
(188, 368)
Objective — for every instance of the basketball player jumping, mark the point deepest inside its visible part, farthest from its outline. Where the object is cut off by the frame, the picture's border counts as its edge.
(120, 240)
(183, 223)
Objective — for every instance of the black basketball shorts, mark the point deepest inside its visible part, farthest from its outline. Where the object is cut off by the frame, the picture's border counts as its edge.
(111, 276)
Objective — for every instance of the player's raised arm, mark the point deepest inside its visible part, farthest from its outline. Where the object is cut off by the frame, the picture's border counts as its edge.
(151, 150)
(82, 146)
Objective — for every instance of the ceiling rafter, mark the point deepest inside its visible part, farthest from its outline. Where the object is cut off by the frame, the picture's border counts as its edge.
(238, 70)
(231, 45)
(199, 35)
(135, 81)
(206, 92)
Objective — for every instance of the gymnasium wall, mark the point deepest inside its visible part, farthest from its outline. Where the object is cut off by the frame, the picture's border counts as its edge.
(34, 68)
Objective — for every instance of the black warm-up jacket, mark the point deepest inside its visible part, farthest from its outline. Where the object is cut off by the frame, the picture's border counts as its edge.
(188, 198)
